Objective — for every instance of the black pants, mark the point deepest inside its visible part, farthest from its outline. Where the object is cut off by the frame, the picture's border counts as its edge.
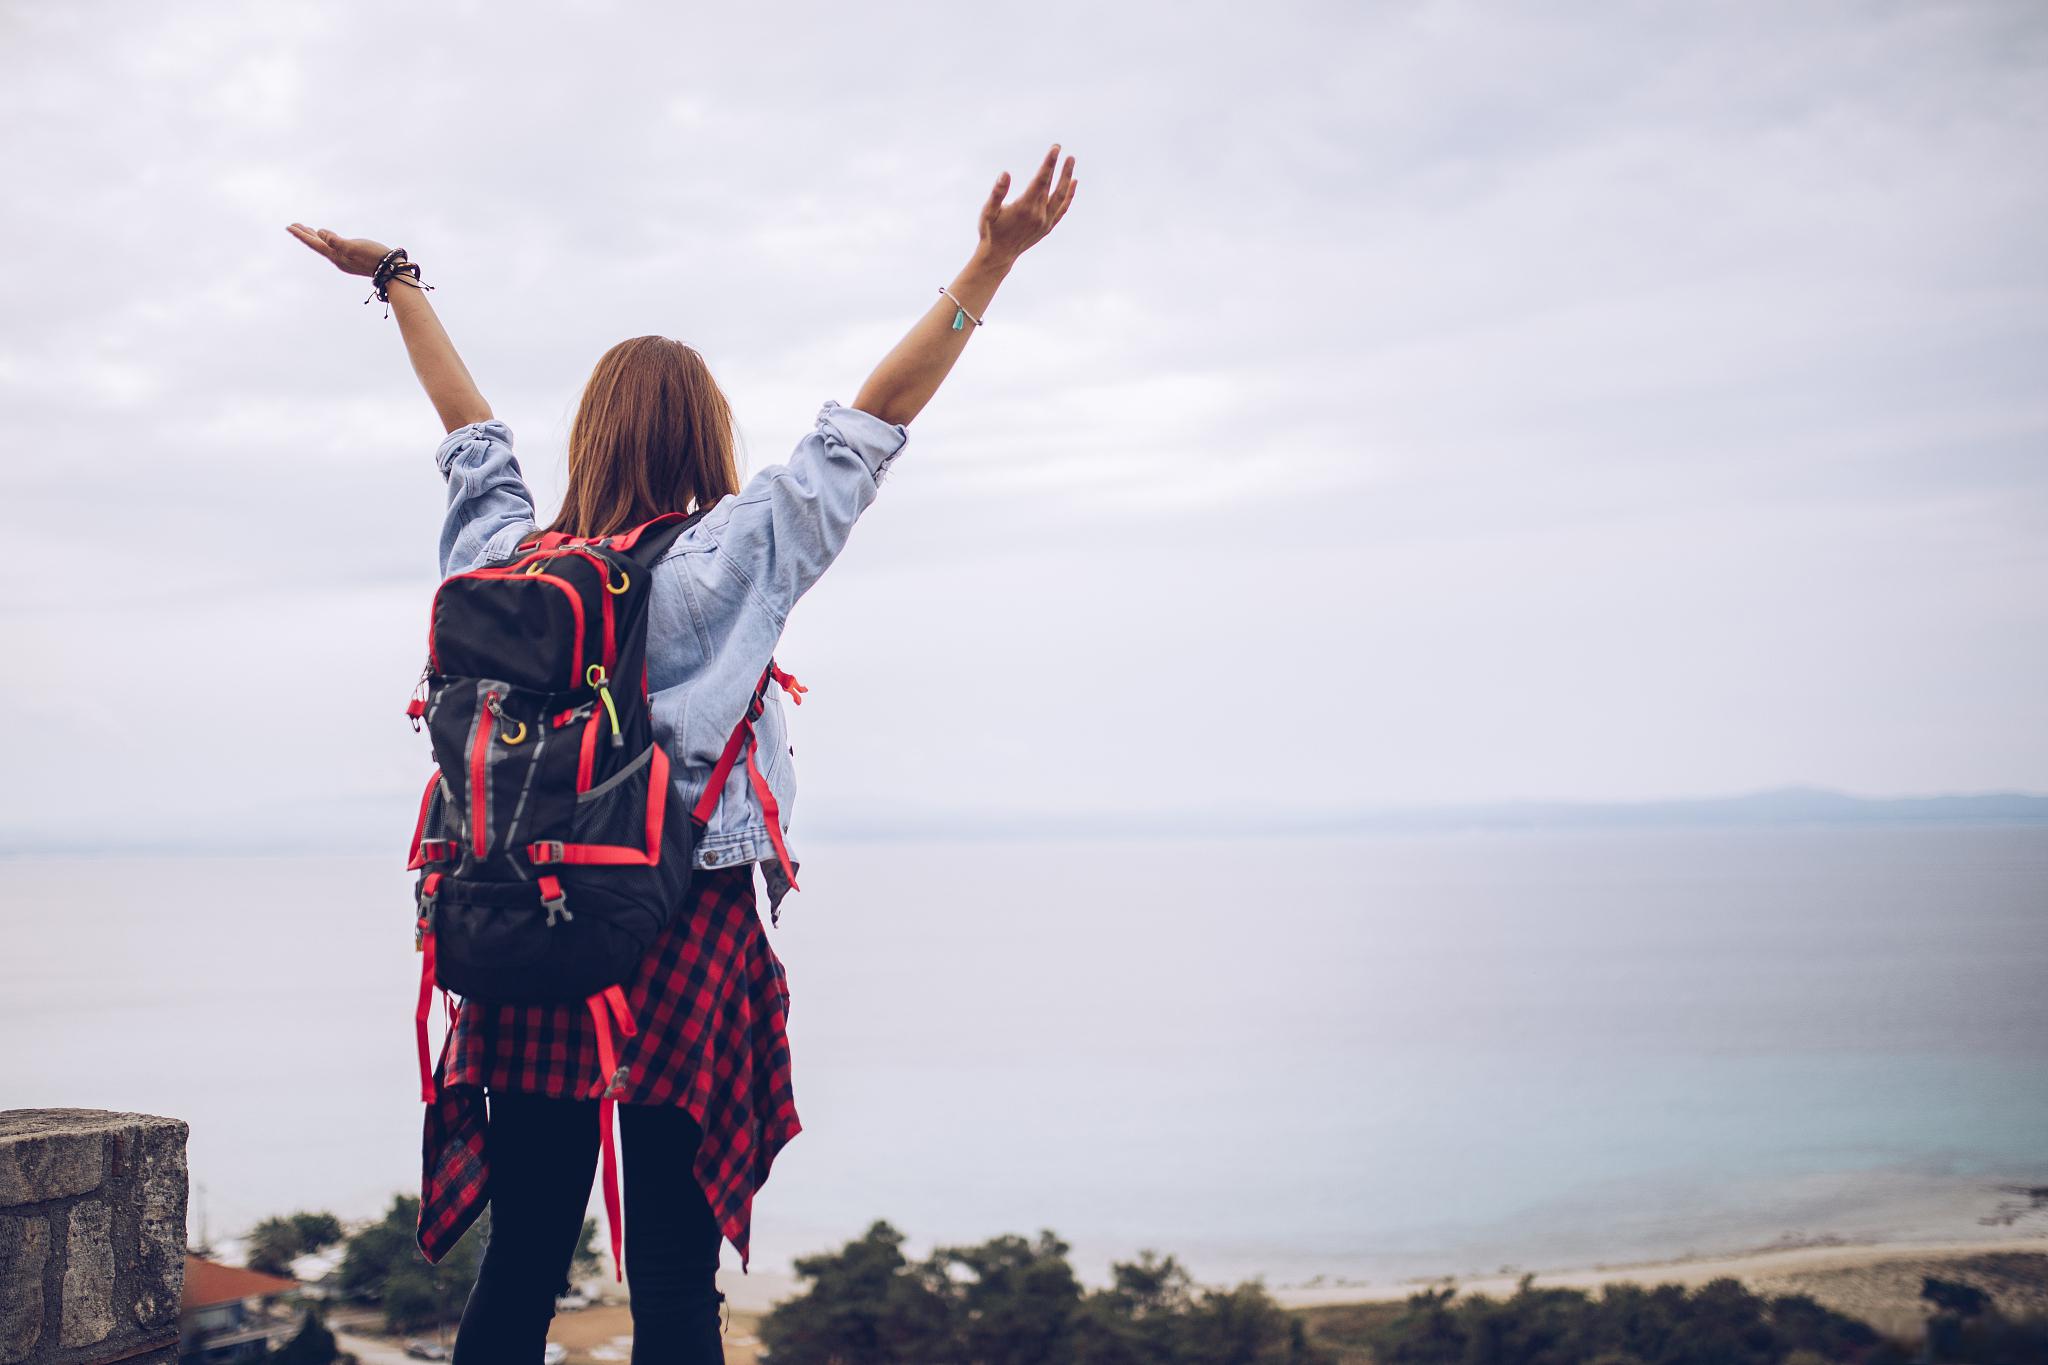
(543, 1157)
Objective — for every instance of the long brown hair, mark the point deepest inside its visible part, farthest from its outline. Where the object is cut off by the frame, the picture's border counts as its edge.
(652, 434)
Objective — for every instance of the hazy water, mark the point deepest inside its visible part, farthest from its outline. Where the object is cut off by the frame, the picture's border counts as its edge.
(1442, 1052)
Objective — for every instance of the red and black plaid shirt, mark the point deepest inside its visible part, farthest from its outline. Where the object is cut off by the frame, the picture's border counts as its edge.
(711, 1004)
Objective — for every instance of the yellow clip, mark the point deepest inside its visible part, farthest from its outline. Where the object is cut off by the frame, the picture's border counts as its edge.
(595, 676)
(519, 738)
(625, 582)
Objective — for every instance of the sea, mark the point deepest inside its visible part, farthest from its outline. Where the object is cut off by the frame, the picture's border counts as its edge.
(1314, 1060)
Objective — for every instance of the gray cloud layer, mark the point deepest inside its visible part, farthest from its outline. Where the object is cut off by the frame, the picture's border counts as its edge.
(1422, 402)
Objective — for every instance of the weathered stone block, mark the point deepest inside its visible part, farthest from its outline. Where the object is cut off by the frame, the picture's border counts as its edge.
(88, 1307)
(92, 1232)
(51, 1153)
(24, 1248)
(160, 1183)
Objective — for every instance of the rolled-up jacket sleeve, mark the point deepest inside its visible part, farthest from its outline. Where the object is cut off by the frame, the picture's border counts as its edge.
(489, 508)
(784, 529)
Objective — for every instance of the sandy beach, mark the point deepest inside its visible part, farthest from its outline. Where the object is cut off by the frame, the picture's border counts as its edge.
(1878, 1282)
(603, 1335)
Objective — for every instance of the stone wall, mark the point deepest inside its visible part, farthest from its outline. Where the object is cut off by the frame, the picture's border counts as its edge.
(92, 1237)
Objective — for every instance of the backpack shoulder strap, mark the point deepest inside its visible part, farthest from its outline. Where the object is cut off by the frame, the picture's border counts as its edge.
(650, 540)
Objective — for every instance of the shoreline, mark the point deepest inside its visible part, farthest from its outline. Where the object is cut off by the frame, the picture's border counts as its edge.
(1768, 1263)
(1764, 1264)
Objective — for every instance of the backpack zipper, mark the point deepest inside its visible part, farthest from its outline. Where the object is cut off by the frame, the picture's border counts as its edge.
(479, 775)
(539, 734)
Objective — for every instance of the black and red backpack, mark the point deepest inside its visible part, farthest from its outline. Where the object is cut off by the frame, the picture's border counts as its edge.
(549, 856)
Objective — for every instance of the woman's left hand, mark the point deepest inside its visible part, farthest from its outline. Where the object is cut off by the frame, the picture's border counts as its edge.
(351, 255)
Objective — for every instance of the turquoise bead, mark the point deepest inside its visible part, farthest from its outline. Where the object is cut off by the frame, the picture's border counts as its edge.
(959, 318)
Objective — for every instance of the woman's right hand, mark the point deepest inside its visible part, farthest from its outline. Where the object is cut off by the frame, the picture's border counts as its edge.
(1009, 230)
(911, 373)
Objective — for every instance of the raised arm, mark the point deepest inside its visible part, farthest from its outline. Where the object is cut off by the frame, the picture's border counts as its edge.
(911, 373)
(441, 371)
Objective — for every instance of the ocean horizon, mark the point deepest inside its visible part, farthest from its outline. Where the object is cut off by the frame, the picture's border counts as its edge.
(362, 824)
(1347, 1056)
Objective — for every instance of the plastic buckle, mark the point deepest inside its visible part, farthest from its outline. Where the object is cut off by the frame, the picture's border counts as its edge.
(545, 851)
(430, 892)
(556, 905)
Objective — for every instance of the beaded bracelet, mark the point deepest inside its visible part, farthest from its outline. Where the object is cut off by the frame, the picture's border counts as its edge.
(960, 314)
(393, 266)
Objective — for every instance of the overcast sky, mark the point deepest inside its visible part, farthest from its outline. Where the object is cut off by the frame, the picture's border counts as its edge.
(1421, 403)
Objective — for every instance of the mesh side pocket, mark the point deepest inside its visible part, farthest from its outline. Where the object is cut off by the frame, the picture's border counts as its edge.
(614, 812)
(440, 832)
(439, 825)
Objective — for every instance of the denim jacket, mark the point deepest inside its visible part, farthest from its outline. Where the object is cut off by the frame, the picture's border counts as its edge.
(719, 599)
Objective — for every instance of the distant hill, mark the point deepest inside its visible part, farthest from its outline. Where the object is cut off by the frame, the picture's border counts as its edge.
(1778, 806)
(361, 825)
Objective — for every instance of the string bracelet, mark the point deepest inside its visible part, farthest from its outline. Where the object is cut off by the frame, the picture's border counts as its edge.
(393, 266)
(960, 314)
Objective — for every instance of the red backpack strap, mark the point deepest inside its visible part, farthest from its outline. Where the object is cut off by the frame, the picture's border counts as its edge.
(423, 940)
(741, 741)
(770, 811)
(609, 1002)
(628, 538)
(742, 734)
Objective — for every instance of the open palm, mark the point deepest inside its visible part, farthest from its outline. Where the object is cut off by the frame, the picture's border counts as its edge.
(351, 255)
(1009, 230)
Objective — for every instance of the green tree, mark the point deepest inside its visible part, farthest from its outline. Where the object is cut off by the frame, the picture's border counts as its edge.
(314, 1345)
(383, 1265)
(588, 1260)
(1722, 1323)
(1015, 1300)
(862, 1307)
(316, 1230)
(1132, 1321)
(372, 1252)
(277, 1242)
(272, 1246)
(1428, 1333)
(1951, 1296)
(1241, 1326)
(1967, 1326)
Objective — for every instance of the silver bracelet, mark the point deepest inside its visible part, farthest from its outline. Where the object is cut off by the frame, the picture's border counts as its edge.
(961, 315)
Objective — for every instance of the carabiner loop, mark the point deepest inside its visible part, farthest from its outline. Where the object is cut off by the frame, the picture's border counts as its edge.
(595, 677)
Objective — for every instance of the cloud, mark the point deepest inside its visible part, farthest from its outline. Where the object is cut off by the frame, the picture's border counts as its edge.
(1432, 401)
